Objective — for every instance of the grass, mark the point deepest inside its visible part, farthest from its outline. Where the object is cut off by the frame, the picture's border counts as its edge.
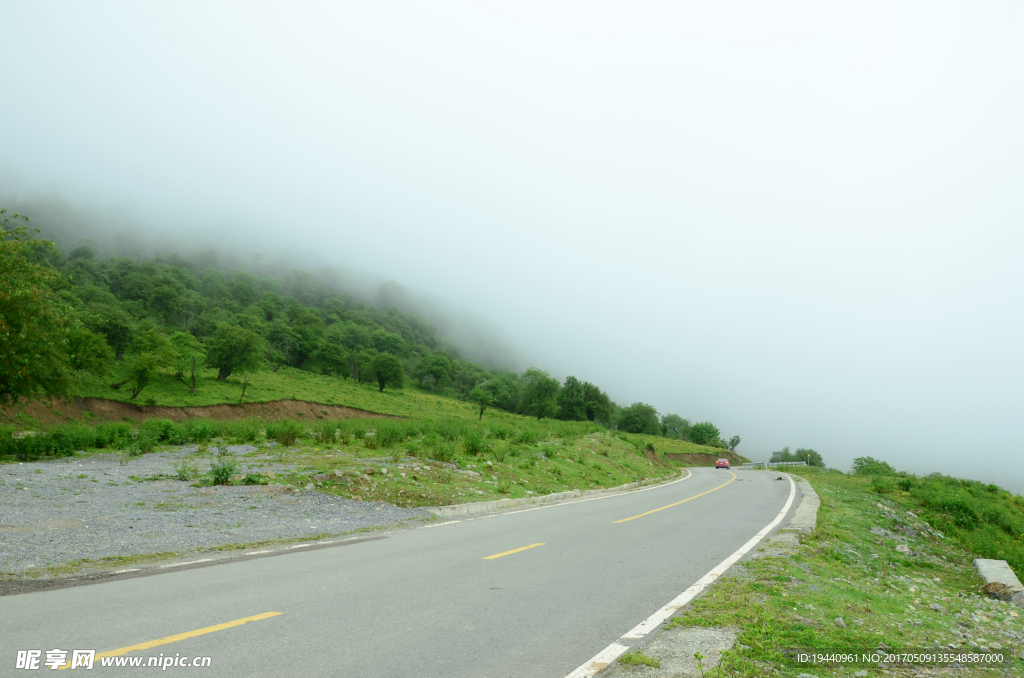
(792, 602)
(638, 658)
(286, 383)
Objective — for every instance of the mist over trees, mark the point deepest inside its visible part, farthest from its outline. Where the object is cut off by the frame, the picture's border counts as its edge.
(172, 314)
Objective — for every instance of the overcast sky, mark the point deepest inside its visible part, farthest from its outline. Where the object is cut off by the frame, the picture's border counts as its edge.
(798, 220)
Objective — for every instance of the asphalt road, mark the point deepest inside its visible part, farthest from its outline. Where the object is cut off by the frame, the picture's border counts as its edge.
(425, 602)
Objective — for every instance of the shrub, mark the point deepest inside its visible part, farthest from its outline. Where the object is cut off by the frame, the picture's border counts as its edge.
(389, 434)
(473, 442)
(199, 430)
(501, 432)
(324, 433)
(285, 431)
(186, 470)
(869, 466)
(254, 479)
(143, 442)
(443, 451)
(526, 437)
(222, 469)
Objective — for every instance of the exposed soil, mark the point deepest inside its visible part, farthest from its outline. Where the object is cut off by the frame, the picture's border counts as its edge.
(57, 410)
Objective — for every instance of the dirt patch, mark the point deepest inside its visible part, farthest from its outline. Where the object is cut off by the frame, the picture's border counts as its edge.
(699, 459)
(655, 459)
(56, 410)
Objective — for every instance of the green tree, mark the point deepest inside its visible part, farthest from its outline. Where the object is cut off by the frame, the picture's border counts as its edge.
(810, 456)
(540, 394)
(112, 322)
(674, 426)
(386, 342)
(333, 359)
(88, 350)
(734, 442)
(435, 370)
(190, 353)
(572, 400)
(600, 408)
(152, 351)
(482, 397)
(33, 322)
(387, 370)
(704, 433)
(869, 466)
(234, 348)
(639, 418)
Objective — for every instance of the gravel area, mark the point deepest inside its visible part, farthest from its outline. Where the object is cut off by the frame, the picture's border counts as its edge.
(53, 512)
(675, 648)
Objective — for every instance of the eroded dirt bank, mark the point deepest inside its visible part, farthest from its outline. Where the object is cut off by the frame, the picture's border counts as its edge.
(57, 410)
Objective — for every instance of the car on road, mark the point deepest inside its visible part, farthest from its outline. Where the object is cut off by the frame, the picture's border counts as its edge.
(722, 463)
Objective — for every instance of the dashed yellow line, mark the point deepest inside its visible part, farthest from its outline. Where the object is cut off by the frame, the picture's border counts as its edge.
(678, 502)
(181, 636)
(508, 553)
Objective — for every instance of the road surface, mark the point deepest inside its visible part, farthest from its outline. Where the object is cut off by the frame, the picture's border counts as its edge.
(529, 593)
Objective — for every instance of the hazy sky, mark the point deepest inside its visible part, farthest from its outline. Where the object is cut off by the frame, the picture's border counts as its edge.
(798, 220)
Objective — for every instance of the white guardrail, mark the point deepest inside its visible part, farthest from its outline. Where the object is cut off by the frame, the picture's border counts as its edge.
(772, 464)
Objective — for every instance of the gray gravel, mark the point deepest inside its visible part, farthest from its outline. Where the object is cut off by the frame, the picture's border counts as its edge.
(50, 514)
(675, 648)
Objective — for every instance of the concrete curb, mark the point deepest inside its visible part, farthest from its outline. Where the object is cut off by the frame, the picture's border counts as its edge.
(497, 504)
(805, 517)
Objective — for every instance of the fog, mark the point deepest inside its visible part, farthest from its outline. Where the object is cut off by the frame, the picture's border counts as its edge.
(798, 220)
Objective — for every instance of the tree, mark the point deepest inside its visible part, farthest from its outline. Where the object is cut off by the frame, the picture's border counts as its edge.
(599, 406)
(640, 418)
(869, 466)
(234, 348)
(810, 456)
(572, 400)
(333, 359)
(435, 370)
(704, 433)
(733, 443)
(482, 397)
(386, 342)
(113, 323)
(388, 370)
(674, 426)
(152, 351)
(88, 350)
(33, 322)
(540, 394)
(190, 351)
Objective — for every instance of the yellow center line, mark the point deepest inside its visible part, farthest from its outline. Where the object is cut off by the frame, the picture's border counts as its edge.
(508, 553)
(180, 636)
(678, 502)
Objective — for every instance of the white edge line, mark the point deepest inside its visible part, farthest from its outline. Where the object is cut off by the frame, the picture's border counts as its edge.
(256, 553)
(450, 522)
(297, 546)
(606, 656)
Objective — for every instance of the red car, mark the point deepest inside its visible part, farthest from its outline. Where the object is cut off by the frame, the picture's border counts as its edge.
(722, 463)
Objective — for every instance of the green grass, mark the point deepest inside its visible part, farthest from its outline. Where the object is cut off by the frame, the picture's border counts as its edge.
(788, 603)
(286, 383)
(638, 658)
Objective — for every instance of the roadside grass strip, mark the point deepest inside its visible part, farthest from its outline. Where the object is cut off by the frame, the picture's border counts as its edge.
(508, 553)
(626, 520)
(181, 636)
(874, 581)
(601, 660)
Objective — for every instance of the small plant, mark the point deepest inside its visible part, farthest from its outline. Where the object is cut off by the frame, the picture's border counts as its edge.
(473, 442)
(499, 452)
(501, 432)
(700, 662)
(638, 658)
(222, 469)
(254, 479)
(443, 452)
(527, 437)
(186, 470)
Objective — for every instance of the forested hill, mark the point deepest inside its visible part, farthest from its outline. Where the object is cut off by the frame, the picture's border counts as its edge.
(175, 315)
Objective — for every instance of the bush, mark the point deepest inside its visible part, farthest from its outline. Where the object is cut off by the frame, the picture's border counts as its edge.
(222, 469)
(443, 451)
(869, 466)
(389, 434)
(526, 437)
(501, 432)
(285, 431)
(199, 430)
(324, 433)
(473, 442)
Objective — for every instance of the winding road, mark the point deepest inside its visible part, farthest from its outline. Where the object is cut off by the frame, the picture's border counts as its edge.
(534, 592)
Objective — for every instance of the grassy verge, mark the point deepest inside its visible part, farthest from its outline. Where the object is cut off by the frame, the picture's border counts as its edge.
(873, 578)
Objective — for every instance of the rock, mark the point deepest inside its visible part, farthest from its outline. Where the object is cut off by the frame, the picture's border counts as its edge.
(995, 646)
(840, 623)
(270, 474)
(356, 497)
(883, 647)
(939, 608)
(384, 471)
(310, 486)
(860, 674)
(903, 548)
(368, 471)
(806, 675)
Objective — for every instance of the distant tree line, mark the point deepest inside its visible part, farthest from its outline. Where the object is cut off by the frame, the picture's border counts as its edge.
(803, 454)
(60, 314)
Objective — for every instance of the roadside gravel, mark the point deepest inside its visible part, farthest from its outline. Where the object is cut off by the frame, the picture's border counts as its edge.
(92, 507)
